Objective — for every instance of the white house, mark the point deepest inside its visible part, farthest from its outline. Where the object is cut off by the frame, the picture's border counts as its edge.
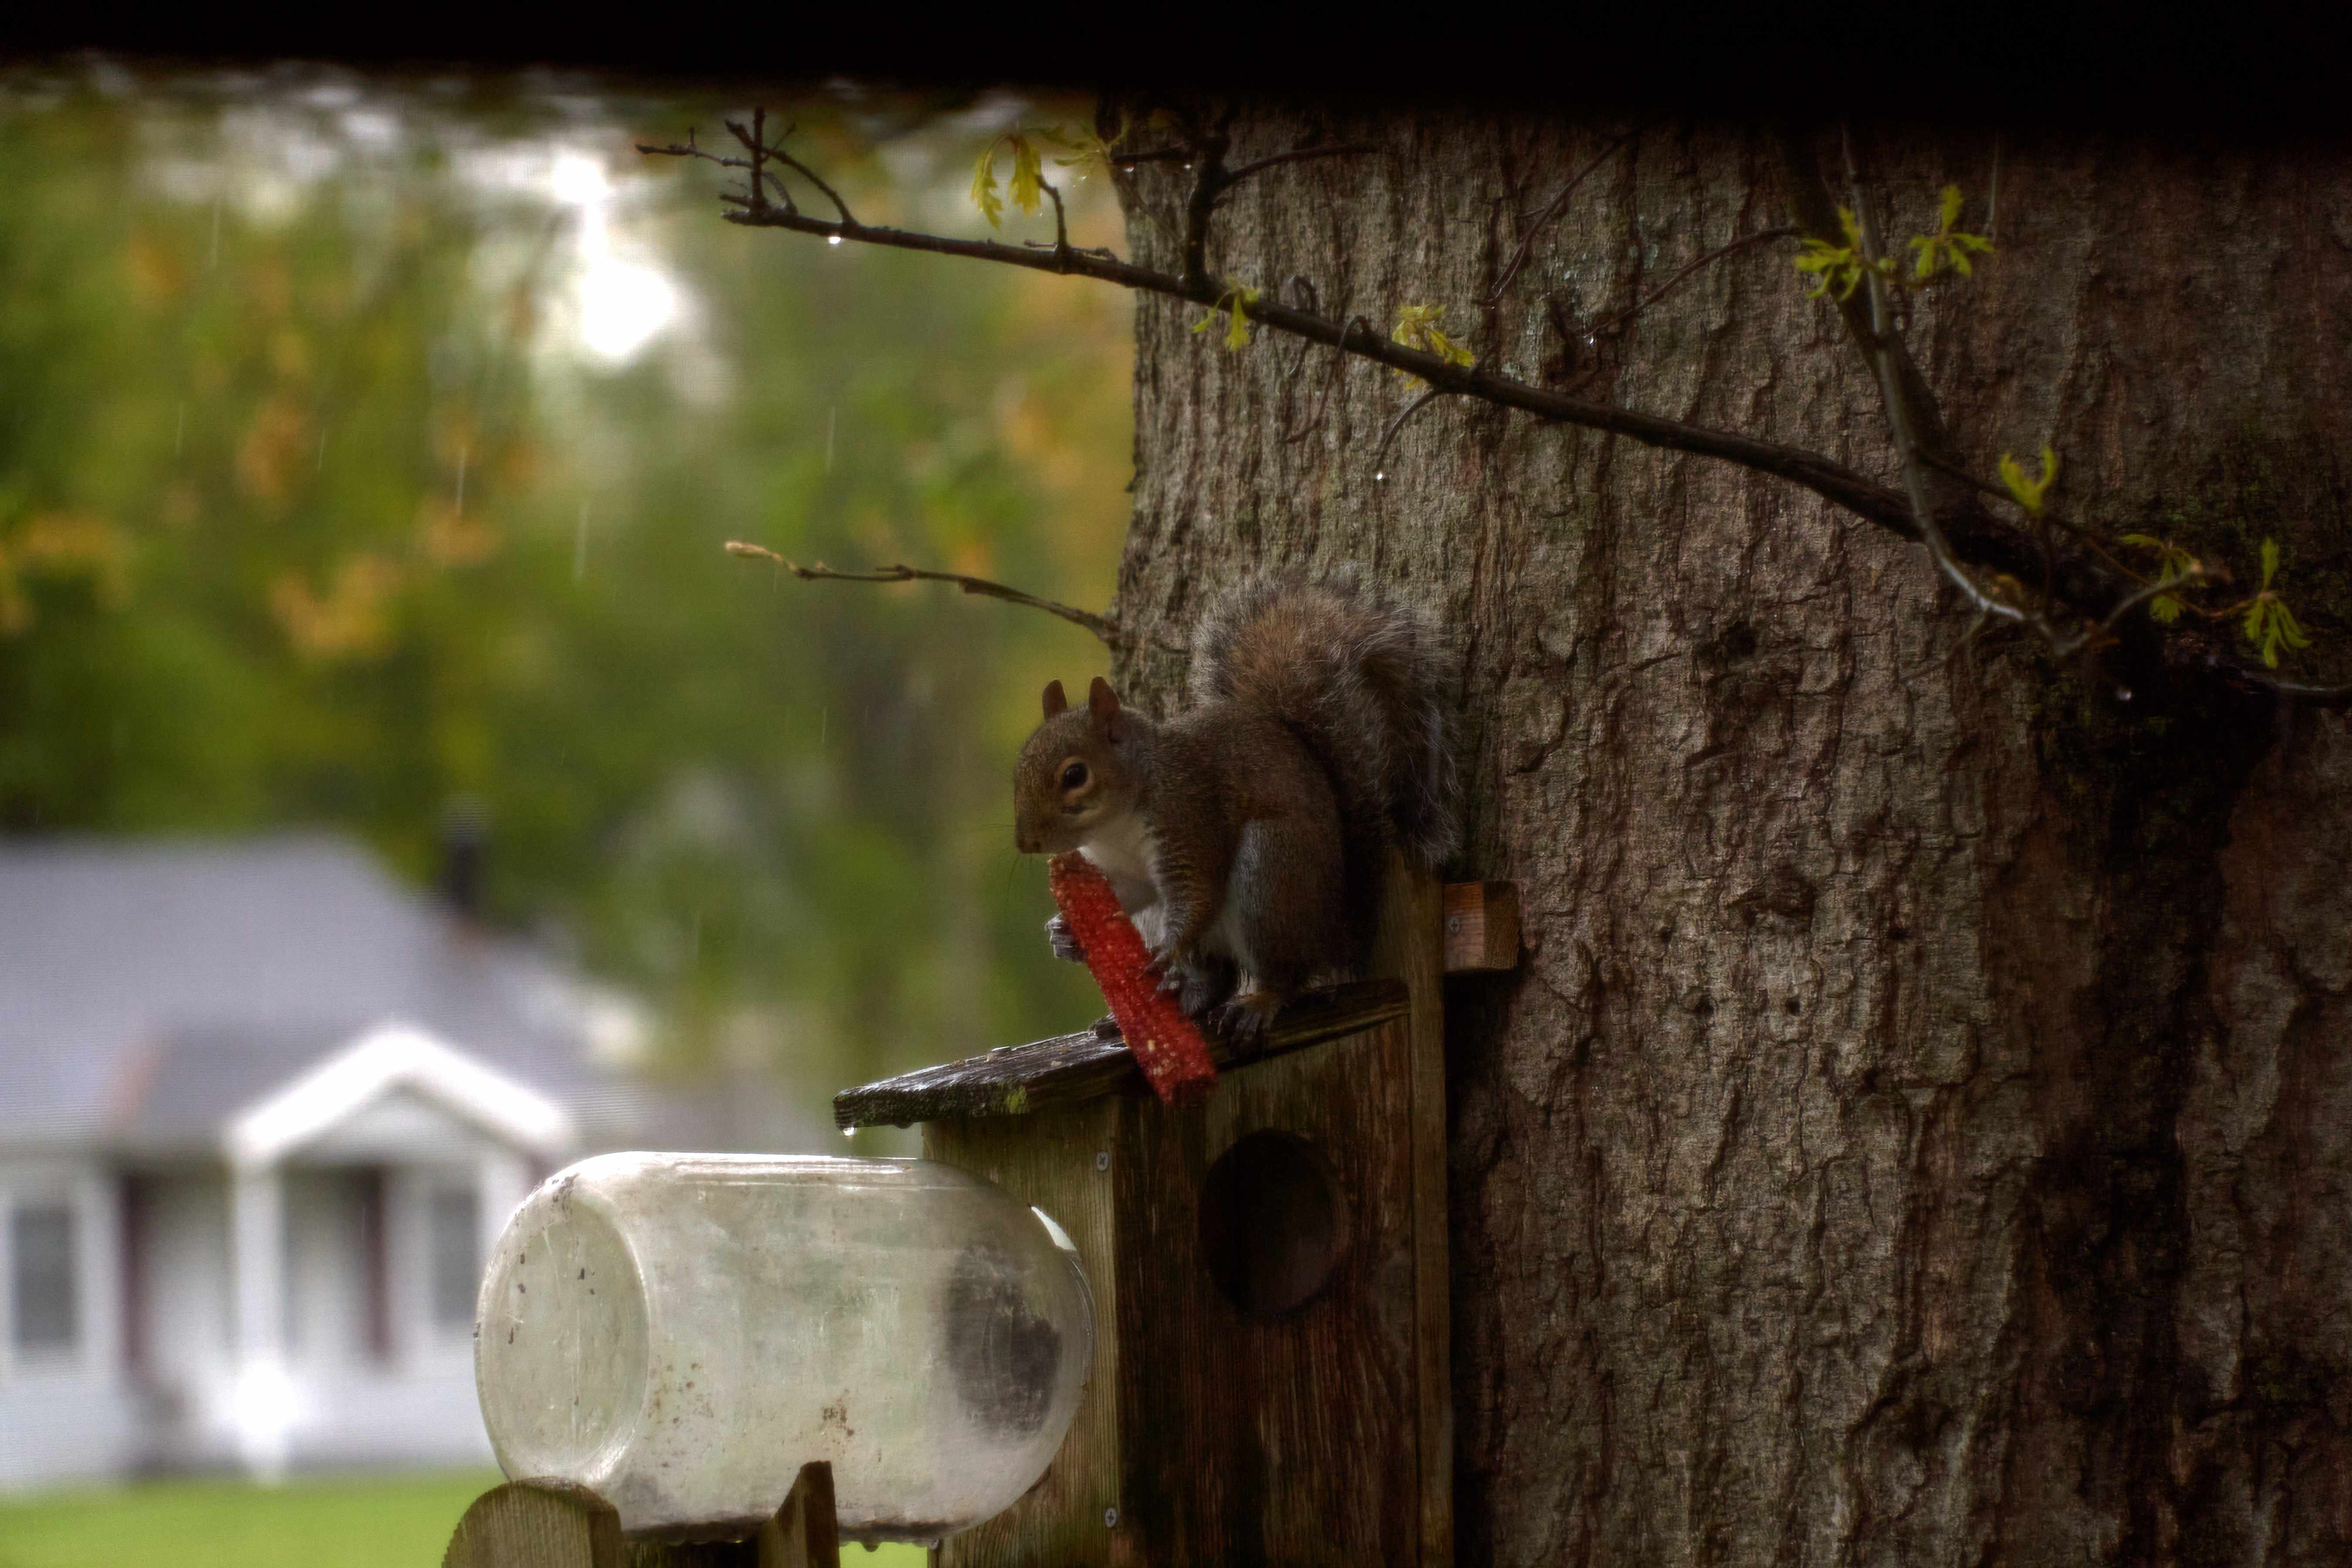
(262, 1113)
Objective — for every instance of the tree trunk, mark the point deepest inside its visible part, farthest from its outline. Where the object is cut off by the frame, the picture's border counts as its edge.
(1919, 1132)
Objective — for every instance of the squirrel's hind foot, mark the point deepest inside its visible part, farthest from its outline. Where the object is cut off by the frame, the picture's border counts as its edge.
(1243, 1020)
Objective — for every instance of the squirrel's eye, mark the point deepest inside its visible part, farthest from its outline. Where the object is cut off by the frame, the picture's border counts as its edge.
(1074, 776)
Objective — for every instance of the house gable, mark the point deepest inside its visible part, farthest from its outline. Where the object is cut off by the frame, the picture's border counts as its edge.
(393, 1084)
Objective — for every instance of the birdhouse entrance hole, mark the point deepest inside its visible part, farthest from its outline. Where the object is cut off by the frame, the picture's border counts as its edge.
(1273, 1222)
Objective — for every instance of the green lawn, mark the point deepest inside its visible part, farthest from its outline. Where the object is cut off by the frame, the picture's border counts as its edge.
(400, 1521)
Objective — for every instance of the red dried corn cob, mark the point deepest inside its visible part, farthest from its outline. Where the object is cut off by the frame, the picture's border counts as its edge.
(1166, 1045)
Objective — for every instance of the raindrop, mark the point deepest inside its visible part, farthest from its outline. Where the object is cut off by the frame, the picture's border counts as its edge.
(214, 263)
(832, 416)
(461, 481)
(180, 435)
(322, 452)
(849, 1132)
(1380, 478)
(2123, 693)
(833, 239)
(580, 546)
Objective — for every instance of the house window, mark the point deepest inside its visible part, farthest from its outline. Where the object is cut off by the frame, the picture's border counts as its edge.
(457, 1257)
(41, 1243)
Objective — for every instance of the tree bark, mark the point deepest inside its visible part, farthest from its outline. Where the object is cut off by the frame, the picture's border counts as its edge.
(1921, 1130)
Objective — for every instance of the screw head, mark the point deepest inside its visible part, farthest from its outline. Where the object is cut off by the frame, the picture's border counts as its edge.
(1110, 1518)
(1102, 1159)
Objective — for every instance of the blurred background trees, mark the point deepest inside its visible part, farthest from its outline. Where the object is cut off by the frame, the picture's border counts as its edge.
(366, 450)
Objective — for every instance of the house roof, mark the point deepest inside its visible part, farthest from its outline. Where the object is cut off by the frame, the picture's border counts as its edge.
(150, 991)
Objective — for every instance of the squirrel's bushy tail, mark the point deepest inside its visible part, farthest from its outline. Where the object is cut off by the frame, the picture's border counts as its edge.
(1362, 680)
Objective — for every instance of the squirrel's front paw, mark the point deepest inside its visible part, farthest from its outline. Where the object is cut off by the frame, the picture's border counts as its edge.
(1065, 945)
(1167, 966)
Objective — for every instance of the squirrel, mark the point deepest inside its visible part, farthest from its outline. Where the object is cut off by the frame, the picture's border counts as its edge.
(1247, 837)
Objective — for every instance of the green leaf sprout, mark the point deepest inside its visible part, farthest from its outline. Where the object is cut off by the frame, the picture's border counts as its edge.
(2029, 493)
(1416, 328)
(2269, 623)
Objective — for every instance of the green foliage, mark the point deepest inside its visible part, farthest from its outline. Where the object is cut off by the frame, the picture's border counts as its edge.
(317, 511)
(2029, 493)
(1948, 247)
(1416, 328)
(2173, 564)
(1839, 270)
(2268, 623)
(1028, 177)
(1234, 304)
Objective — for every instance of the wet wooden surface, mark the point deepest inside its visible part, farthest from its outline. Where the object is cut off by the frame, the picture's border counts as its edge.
(1069, 1069)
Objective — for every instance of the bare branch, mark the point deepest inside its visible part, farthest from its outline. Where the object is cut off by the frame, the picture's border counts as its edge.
(2103, 589)
(1786, 231)
(1103, 627)
(1208, 181)
(1876, 333)
(1298, 154)
(1558, 205)
(1380, 456)
(1841, 486)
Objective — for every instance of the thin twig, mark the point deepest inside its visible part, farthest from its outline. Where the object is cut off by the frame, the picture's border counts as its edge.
(1207, 182)
(1879, 344)
(1559, 204)
(1992, 198)
(1103, 627)
(1840, 485)
(1786, 231)
(1298, 154)
(1380, 456)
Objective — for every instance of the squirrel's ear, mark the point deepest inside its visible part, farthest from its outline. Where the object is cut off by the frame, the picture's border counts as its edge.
(1055, 701)
(1103, 704)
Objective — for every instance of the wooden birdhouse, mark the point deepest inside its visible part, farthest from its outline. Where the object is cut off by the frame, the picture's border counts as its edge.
(1270, 1379)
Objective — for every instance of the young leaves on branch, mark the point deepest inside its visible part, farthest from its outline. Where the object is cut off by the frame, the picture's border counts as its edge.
(1838, 268)
(1234, 303)
(1949, 245)
(2029, 493)
(2173, 564)
(1028, 178)
(2269, 622)
(1416, 328)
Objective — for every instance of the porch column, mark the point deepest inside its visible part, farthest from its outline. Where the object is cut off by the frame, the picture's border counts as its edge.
(261, 1407)
(501, 1182)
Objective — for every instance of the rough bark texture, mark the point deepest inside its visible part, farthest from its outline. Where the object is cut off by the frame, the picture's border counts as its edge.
(1921, 1130)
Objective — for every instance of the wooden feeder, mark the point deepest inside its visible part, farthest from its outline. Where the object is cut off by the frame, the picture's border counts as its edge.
(1270, 1379)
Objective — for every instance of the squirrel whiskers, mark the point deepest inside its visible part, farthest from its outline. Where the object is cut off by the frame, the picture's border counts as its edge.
(1247, 837)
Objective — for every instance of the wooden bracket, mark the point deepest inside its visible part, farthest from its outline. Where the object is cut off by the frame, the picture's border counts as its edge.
(555, 1524)
(1482, 927)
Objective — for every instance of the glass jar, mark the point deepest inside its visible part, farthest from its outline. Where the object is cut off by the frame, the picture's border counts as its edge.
(680, 1332)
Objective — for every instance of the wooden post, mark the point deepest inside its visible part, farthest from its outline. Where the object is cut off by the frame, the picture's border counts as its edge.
(803, 1533)
(554, 1524)
(1413, 948)
(537, 1524)
(1061, 1160)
